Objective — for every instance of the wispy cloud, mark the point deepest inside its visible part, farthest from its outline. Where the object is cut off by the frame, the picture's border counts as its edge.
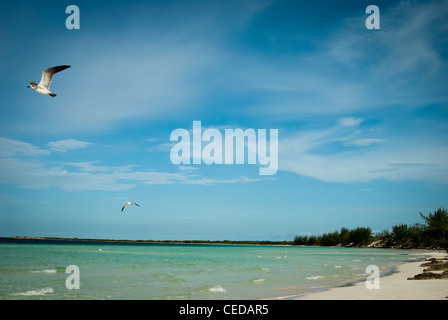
(343, 154)
(68, 144)
(195, 62)
(12, 148)
(364, 142)
(40, 173)
(353, 69)
(350, 122)
(187, 168)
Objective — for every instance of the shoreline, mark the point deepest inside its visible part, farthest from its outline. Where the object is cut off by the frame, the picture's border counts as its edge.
(393, 286)
(283, 243)
(29, 239)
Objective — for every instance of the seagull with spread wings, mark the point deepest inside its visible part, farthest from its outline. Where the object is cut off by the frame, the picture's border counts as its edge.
(44, 85)
(127, 204)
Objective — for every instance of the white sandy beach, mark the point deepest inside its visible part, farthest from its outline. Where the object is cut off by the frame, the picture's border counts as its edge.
(392, 287)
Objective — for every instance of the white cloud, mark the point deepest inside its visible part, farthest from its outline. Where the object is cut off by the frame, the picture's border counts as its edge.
(324, 155)
(187, 69)
(68, 144)
(350, 122)
(12, 148)
(354, 69)
(39, 173)
(364, 142)
(186, 168)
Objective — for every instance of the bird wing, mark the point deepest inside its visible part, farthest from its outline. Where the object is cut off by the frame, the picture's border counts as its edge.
(127, 204)
(47, 75)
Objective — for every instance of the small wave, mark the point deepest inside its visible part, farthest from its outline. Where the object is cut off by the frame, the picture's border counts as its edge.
(45, 271)
(38, 292)
(265, 269)
(314, 277)
(217, 289)
(259, 280)
(338, 266)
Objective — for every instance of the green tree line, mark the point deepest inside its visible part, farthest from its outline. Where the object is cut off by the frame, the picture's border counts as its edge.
(433, 233)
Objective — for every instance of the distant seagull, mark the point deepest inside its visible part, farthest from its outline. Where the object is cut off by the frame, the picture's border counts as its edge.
(44, 85)
(127, 204)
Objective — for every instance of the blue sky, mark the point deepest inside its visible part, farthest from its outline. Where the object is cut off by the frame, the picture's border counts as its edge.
(361, 115)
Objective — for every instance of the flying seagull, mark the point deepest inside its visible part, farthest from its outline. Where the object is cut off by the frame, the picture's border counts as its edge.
(44, 85)
(127, 204)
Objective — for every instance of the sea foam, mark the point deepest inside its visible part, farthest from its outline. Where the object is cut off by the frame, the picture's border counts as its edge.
(45, 271)
(37, 292)
(217, 289)
(314, 277)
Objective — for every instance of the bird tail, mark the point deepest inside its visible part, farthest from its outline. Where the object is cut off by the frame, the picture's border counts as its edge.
(52, 94)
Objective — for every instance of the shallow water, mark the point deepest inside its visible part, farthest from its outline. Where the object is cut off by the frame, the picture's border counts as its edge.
(155, 271)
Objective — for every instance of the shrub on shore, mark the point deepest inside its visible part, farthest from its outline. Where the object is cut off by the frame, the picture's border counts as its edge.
(345, 237)
(433, 234)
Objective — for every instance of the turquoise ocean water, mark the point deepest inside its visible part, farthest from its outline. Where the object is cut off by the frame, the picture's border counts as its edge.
(106, 271)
